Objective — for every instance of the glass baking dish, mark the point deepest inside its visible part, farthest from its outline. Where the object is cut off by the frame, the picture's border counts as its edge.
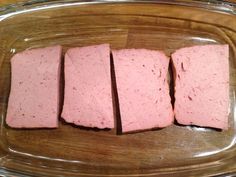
(165, 25)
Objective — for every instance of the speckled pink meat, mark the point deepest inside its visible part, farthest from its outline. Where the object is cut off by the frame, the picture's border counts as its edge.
(88, 100)
(202, 85)
(34, 95)
(143, 91)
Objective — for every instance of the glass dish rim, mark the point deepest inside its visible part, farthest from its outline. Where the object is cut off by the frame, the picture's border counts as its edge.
(31, 5)
(7, 11)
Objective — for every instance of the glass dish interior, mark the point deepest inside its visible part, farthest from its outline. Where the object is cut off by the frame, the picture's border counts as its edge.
(70, 150)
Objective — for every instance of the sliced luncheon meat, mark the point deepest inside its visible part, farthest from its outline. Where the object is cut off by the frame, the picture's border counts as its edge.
(202, 85)
(88, 99)
(143, 90)
(34, 95)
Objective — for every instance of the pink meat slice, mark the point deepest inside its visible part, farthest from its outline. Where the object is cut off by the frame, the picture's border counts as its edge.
(88, 99)
(34, 95)
(202, 85)
(143, 90)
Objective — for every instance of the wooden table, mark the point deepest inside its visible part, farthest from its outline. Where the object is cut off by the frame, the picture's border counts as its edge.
(6, 2)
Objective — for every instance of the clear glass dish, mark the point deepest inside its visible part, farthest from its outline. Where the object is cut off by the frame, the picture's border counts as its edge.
(166, 25)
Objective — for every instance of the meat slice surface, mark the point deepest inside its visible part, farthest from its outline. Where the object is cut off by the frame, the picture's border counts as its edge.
(202, 85)
(88, 98)
(143, 90)
(34, 95)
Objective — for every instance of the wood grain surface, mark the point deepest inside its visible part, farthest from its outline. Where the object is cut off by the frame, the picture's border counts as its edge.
(71, 150)
(7, 2)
